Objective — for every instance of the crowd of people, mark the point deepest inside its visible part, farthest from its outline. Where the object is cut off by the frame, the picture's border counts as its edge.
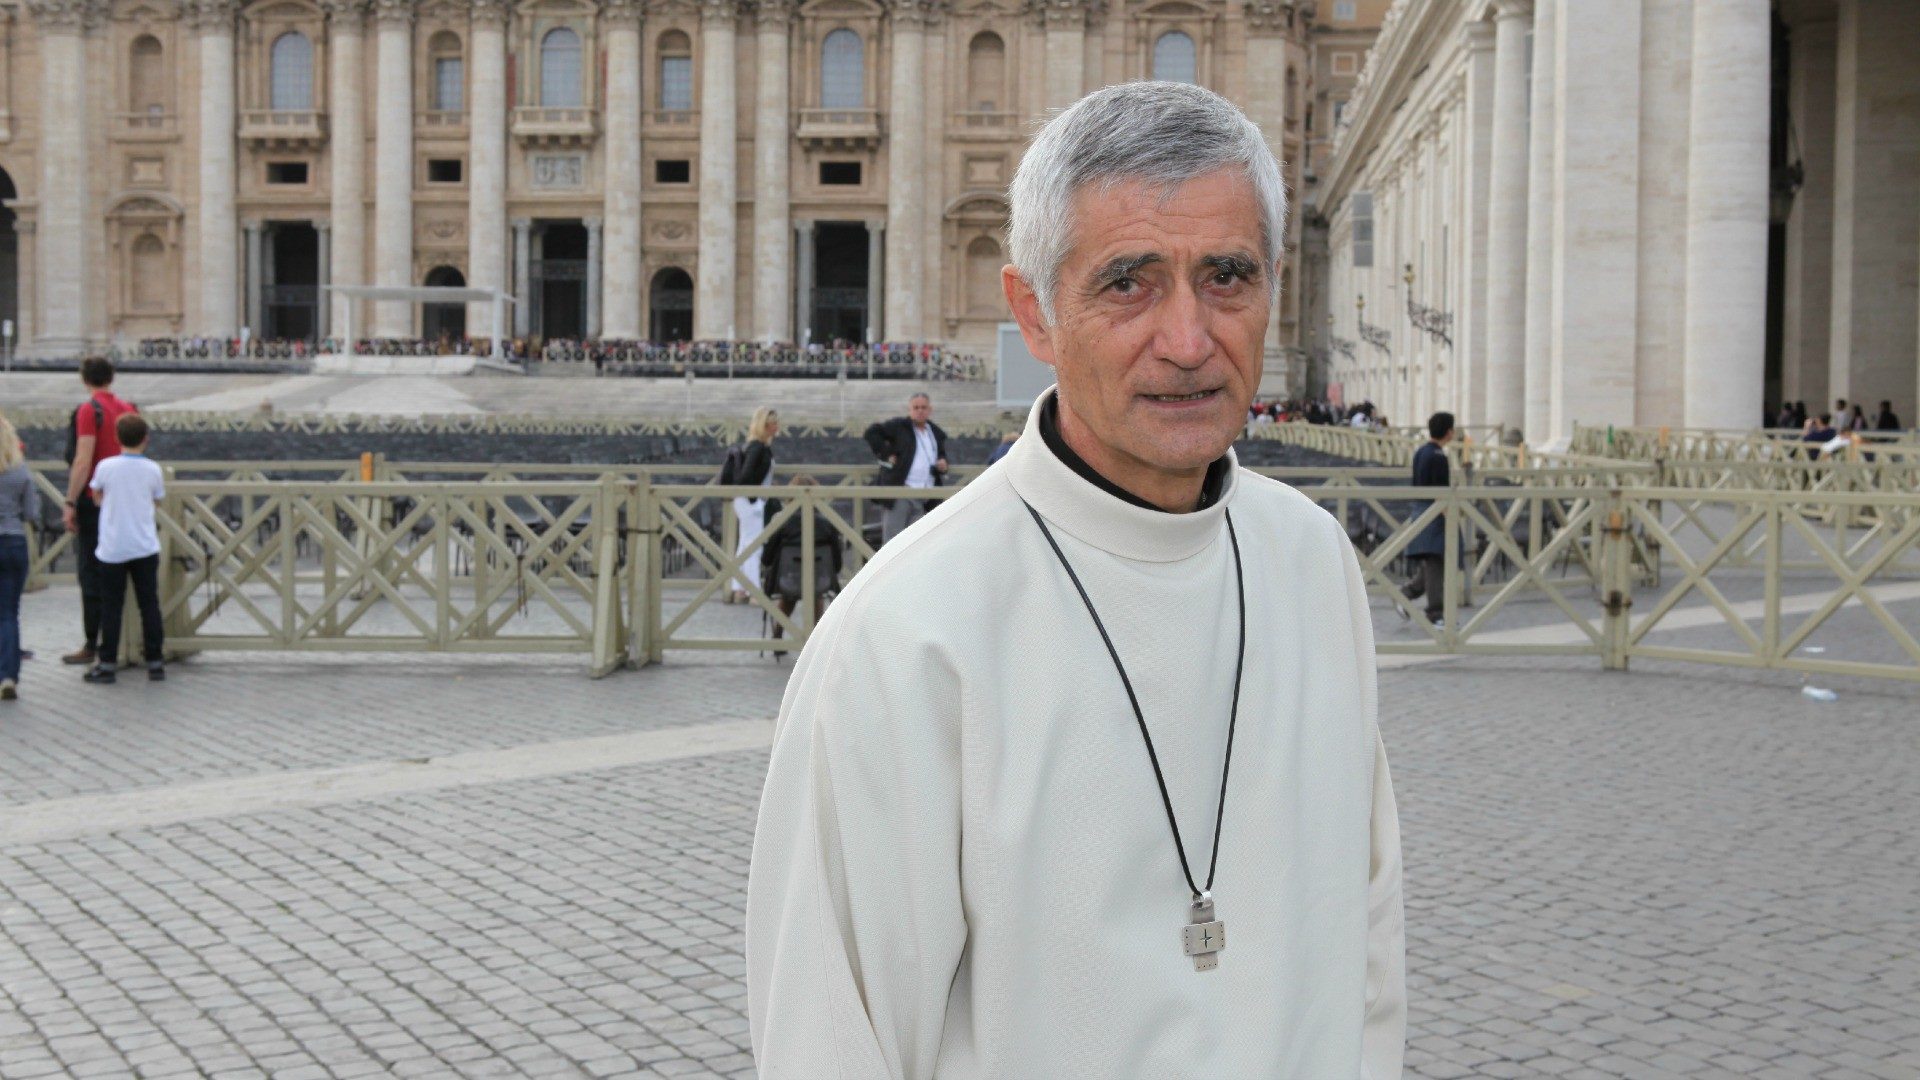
(1317, 411)
(1843, 420)
(111, 493)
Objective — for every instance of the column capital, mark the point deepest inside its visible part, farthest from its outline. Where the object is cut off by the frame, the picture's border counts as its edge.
(391, 12)
(211, 16)
(522, 224)
(1478, 35)
(592, 223)
(489, 12)
(1512, 9)
(344, 14)
(67, 16)
(773, 13)
(322, 226)
(617, 14)
(719, 11)
(1268, 16)
(1061, 14)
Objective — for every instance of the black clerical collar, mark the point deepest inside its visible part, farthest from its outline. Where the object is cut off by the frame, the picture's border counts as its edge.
(1210, 488)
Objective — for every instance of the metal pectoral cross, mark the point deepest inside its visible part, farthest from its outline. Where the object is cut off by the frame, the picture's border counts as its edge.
(1204, 936)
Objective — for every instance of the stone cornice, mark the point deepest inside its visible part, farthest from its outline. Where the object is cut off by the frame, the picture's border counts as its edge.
(210, 15)
(341, 12)
(1061, 14)
(907, 12)
(615, 13)
(67, 16)
(489, 12)
(719, 11)
(393, 11)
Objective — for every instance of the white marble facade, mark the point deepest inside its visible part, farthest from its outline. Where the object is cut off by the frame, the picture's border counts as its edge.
(633, 169)
(1544, 212)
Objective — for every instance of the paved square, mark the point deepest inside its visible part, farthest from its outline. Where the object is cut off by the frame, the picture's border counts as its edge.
(461, 867)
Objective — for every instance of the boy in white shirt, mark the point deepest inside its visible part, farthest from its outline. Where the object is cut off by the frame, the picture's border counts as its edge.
(127, 487)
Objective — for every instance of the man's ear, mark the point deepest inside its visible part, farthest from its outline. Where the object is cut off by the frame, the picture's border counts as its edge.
(1026, 311)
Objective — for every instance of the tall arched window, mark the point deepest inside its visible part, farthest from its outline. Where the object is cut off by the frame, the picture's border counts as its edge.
(449, 72)
(1173, 57)
(676, 71)
(986, 72)
(148, 275)
(560, 68)
(290, 69)
(984, 294)
(146, 77)
(843, 71)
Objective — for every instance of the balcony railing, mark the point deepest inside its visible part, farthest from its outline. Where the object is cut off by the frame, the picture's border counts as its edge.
(985, 119)
(283, 127)
(673, 122)
(145, 125)
(839, 129)
(551, 125)
(440, 121)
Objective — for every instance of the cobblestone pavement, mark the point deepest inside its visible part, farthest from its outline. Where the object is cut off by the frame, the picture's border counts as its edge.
(1675, 872)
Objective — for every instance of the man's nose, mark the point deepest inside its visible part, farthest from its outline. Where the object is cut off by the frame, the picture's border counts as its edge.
(1184, 334)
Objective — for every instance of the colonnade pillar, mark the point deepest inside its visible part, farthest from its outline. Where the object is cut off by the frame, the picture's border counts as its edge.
(1507, 219)
(772, 234)
(212, 21)
(619, 299)
(393, 164)
(713, 287)
(906, 168)
(487, 161)
(66, 174)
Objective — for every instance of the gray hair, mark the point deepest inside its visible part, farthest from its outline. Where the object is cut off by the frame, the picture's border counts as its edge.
(1162, 133)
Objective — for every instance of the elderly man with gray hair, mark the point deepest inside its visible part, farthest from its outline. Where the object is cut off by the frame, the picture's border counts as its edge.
(1081, 777)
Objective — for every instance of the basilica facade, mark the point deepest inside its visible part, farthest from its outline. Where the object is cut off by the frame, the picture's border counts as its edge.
(659, 170)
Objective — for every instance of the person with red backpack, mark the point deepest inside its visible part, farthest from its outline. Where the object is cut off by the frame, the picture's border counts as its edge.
(91, 439)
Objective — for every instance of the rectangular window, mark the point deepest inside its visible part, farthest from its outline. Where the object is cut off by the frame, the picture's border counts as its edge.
(1345, 64)
(1363, 228)
(443, 170)
(678, 171)
(449, 82)
(840, 173)
(286, 172)
(1343, 11)
(676, 83)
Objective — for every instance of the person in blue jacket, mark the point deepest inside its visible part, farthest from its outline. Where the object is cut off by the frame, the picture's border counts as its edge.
(1428, 550)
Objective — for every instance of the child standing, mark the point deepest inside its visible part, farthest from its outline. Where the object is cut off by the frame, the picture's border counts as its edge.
(128, 486)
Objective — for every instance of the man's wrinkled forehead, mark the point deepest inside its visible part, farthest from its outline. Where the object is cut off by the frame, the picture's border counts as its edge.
(1142, 216)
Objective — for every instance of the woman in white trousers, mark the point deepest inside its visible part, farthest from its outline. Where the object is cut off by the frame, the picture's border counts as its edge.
(756, 468)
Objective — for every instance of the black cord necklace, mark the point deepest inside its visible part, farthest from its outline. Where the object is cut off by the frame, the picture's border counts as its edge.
(1204, 936)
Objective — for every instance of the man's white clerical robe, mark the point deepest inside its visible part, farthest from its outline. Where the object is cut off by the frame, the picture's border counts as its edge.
(963, 868)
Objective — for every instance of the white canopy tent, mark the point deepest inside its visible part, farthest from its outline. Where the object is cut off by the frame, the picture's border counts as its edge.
(428, 294)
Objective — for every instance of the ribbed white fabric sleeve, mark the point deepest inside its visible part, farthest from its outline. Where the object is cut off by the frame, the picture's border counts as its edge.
(1384, 1034)
(854, 916)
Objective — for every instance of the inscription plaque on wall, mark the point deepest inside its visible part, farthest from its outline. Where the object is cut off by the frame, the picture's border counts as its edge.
(146, 172)
(551, 171)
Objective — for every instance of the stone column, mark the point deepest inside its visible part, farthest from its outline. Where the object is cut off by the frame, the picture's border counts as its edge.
(906, 168)
(253, 270)
(1876, 208)
(66, 173)
(1728, 129)
(393, 164)
(322, 312)
(1267, 106)
(593, 276)
(713, 287)
(522, 255)
(1063, 26)
(772, 234)
(619, 299)
(1596, 135)
(487, 162)
(347, 156)
(803, 295)
(1807, 308)
(1470, 343)
(1507, 218)
(879, 272)
(1539, 300)
(212, 21)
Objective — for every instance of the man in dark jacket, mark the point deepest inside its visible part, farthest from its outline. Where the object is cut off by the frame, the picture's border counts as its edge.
(912, 451)
(1888, 420)
(1428, 550)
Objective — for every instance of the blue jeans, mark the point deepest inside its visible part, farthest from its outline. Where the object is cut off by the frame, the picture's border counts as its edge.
(13, 579)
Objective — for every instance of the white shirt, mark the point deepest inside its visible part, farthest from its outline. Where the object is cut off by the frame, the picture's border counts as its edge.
(926, 451)
(128, 485)
(962, 868)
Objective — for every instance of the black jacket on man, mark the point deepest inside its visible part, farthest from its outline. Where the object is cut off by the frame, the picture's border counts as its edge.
(894, 439)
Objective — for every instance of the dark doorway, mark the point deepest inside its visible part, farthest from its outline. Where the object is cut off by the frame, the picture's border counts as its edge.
(447, 321)
(560, 279)
(291, 292)
(9, 255)
(1786, 173)
(840, 282)
(670, 302)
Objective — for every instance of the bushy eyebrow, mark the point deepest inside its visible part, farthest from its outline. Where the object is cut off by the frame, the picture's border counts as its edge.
(1121, 266)
(1235, 263)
